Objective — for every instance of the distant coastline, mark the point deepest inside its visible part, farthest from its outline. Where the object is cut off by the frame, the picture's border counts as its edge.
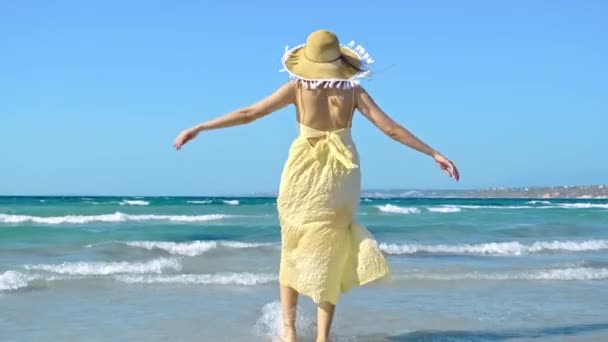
(532, 192)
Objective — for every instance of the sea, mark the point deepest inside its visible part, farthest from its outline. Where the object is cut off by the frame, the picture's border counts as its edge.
(206, 269)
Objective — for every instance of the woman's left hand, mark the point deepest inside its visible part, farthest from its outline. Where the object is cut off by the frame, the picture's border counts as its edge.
(183, 137)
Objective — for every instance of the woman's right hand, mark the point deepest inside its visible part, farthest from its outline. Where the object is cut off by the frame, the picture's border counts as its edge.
(183, 137)
(446, 165)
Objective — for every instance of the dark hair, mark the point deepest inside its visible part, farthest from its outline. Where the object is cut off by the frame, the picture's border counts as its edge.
(351, 62)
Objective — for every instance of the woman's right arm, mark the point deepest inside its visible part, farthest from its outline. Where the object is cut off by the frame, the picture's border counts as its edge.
(367, 106)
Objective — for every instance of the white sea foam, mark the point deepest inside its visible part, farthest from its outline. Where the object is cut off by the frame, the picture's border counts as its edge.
(578, 273)
(12, 280)
(472, 206)
(200, 202)
(134, 202)
(116, 217)
(192, 248)
(243, 279)
(582, 205)
(539, 202)
(544, 205)
(444, 209)
(449, 208)
(270, 323)
(231, 202)
(240, 244)
(390, 208)
(570, 273)
(108, 268)
(497, 248)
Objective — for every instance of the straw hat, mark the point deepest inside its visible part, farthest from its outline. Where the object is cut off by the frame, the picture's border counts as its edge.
(323, 62)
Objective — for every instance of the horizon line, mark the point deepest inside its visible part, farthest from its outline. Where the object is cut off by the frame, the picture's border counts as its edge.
(274, 193)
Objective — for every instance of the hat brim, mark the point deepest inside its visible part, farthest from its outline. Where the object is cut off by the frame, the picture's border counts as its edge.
(344, 72)
(343, 68)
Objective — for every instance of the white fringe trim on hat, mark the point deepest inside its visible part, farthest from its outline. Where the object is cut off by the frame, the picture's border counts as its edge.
(363, 55)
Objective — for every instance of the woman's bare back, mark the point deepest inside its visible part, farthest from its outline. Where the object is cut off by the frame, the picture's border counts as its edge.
(325, 109)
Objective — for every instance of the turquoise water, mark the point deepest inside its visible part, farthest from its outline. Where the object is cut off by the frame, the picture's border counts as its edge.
(192, 269)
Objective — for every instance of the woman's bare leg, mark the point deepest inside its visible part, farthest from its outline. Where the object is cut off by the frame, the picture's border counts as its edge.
(289, 302)
(325, 315)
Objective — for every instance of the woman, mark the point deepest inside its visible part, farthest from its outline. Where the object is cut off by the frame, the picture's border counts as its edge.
(324, 252)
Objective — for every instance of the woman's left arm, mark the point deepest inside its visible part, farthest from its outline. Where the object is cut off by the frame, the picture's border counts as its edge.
(277, 100)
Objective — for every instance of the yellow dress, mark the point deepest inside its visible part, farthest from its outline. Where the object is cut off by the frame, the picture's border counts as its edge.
(324, 251)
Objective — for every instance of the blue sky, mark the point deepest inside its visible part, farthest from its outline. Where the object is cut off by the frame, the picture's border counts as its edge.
(92, 93)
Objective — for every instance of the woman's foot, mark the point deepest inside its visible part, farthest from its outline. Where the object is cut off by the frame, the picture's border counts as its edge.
(289, 334)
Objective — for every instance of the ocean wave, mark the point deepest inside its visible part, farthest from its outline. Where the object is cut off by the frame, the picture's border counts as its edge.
(12, 280)
(240, 244)
(192, 248)
(570, 273)
(496, 248)
(473, 206)
(200, 202)
(580, 205)
(97, 268)
(538, 202)
(544, 205)
(444, 209)
(447, 208)
(116, 217)
(244, 279)
(135, 202)
(229, 202)
(390, 208)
